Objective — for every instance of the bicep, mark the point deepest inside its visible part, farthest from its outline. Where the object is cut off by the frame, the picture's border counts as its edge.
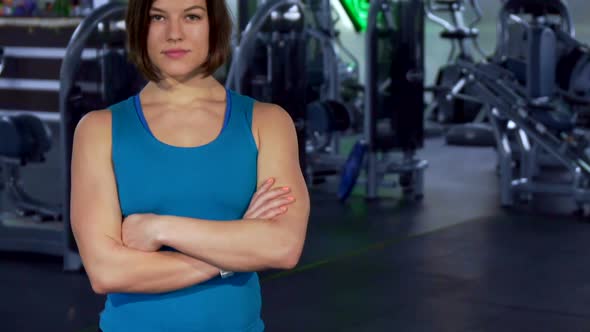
(278, 157)
(95, 211)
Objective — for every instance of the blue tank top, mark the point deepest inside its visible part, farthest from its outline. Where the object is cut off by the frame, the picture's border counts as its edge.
(214, 181)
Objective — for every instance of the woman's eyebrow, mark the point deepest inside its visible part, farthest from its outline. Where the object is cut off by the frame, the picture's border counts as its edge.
(196, 7)
(156, 9)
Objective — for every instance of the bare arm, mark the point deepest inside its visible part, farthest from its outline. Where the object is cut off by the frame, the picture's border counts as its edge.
(96, 223)
(246, 245)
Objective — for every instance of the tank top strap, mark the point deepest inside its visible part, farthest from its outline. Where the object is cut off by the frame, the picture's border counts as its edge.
(244, 105)
(242, 108)
(125, 124)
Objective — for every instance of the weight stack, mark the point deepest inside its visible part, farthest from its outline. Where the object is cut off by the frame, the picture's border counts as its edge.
(277, 73)
(403, 102)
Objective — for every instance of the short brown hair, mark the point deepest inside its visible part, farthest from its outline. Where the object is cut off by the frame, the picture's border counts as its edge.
(137, 23)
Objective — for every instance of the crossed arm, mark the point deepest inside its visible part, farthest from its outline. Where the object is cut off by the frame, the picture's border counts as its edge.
(121, 258)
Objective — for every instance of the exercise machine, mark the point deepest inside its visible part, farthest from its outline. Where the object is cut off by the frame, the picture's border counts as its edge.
(30, 224)
(274, 41)
(334, 94)
(394, 102)
(534, 123)
(34, 226)
(289, 55)
(25, 139)
(452, 104)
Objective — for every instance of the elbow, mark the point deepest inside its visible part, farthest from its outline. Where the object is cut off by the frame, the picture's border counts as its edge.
(98, 287)
(99, 283)
(289, 257)
(105, 284)
(95, 272)
(102, 278)
(287, 247)
(290, 261)
(103, 271)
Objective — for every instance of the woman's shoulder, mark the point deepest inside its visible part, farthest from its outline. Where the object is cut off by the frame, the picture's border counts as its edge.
(94, 126)
(269, 109)
(271, 115)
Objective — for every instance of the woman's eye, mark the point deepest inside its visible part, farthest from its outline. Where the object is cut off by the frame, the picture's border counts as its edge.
(157, 17)
(193, 17)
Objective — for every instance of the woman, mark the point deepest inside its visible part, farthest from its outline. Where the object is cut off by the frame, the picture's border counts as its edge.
(164, 184)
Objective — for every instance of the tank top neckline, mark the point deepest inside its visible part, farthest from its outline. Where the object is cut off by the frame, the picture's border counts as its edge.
(154, 139)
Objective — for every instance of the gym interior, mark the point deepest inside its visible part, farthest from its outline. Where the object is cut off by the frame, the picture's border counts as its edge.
(444, 144)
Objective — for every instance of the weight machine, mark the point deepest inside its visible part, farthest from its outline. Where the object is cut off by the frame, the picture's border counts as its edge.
(394, 102)
(534, 123)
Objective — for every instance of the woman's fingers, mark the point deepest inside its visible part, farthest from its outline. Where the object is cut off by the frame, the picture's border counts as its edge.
(265, 186)
(273, 213)
(277, 203)
(267, 196)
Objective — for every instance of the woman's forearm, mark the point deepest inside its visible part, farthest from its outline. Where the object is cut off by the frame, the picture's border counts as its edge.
(127, 270)
(240, 245)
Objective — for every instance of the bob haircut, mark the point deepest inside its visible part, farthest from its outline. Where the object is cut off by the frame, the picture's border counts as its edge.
(137, 22)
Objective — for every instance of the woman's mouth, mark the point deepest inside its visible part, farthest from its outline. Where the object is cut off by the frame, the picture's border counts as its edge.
(175, 53)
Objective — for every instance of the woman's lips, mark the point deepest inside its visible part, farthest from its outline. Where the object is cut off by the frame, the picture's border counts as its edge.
(175, 54)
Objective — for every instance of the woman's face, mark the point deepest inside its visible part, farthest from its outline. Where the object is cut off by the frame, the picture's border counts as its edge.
(178, 37)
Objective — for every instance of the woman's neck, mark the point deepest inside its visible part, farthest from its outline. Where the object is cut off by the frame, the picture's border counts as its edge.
(172, 92)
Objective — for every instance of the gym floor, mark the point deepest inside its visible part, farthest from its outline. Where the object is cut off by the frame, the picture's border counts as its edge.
(455, 261)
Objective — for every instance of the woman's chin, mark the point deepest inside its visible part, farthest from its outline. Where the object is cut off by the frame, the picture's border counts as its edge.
(180, 75)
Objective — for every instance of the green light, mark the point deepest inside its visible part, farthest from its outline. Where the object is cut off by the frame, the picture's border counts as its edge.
(358, 11)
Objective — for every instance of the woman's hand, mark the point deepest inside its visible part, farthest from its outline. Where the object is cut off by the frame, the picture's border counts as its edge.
(267, 203)
(140, 231)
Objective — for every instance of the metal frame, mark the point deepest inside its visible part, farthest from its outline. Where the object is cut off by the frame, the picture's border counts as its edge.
(243, 53)
(458, 24)
(522, 139)
(510, 115)
(69, 68)
(377, 167)
(328, 156)
(325, 34)
(508, 14)
(22, 200)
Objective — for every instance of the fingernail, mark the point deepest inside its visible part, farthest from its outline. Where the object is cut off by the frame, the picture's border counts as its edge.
(286, 188)
(290, 198)
(269, 180)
